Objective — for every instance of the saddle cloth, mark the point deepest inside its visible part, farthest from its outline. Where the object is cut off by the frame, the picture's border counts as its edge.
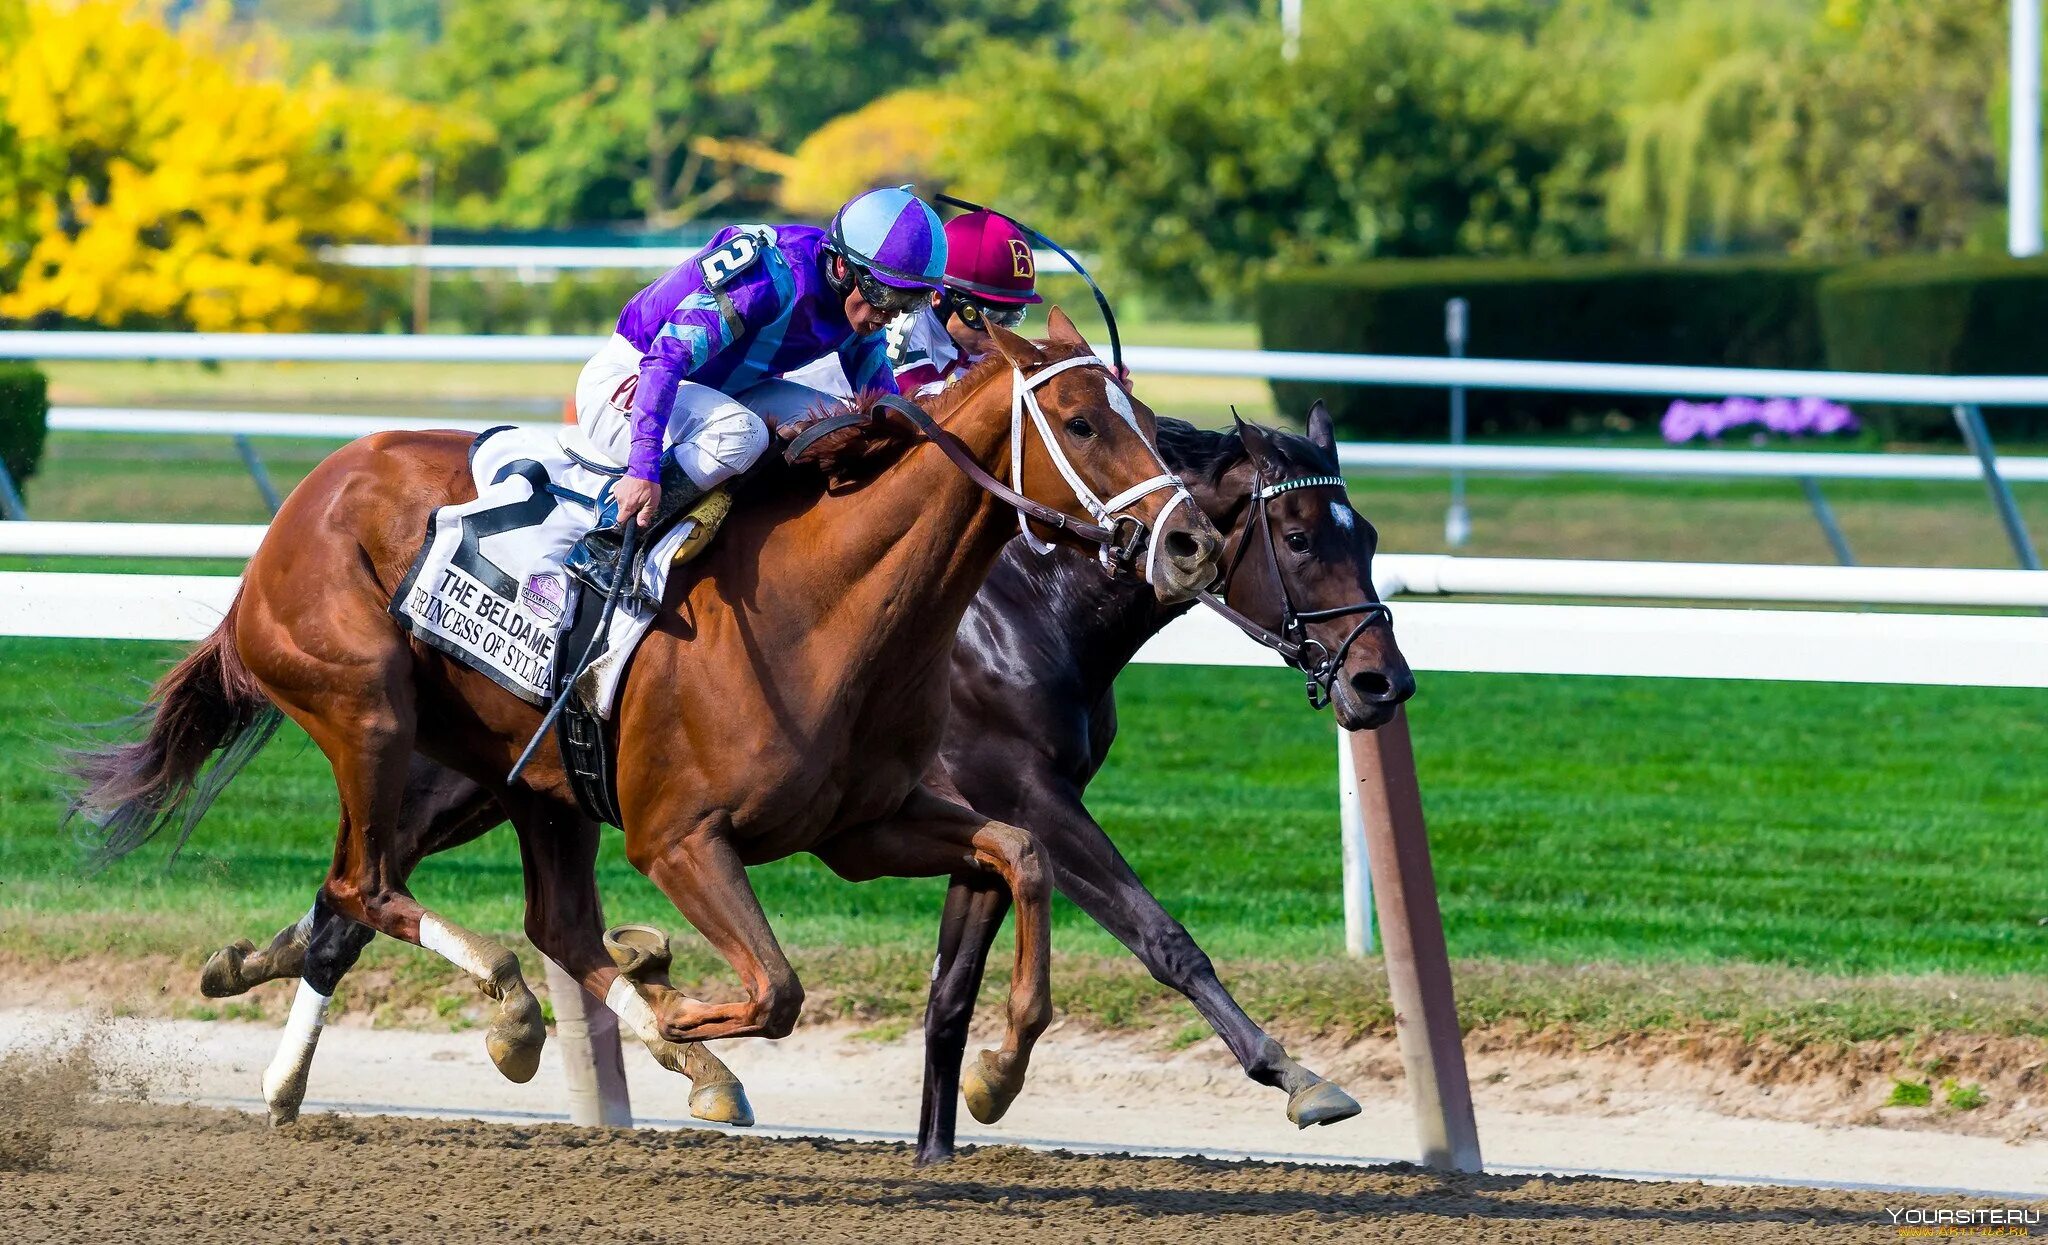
(489, 588)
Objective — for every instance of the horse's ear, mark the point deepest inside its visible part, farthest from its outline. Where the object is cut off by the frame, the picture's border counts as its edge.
(1255, 441)
(1018, 350)
(1060, 330)
(1321, 429)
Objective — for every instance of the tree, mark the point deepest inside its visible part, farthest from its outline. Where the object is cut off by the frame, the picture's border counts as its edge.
(1194, 157)
(152, 178)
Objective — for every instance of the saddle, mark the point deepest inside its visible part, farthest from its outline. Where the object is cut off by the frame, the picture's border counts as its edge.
(587, 750)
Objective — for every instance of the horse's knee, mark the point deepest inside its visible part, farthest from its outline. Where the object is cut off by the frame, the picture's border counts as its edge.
(779, 1006)
(1029, 877)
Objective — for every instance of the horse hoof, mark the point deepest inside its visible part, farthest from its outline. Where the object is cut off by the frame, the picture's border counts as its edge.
(723, 1102)
(516, 1038)
(222, 976)
(639, 952)
(1320, 1103)
(989, 1092)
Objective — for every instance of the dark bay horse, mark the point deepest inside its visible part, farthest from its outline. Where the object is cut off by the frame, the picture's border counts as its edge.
(1035, 715)
(1033, 718)
(790, 697)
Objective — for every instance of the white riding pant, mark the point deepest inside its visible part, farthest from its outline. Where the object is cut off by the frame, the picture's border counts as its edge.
(712, 435)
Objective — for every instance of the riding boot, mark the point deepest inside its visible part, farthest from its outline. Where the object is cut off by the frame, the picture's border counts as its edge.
(595, 558)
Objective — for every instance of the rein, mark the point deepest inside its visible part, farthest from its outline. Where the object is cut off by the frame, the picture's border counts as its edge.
(1117, 534)
(1318, 664)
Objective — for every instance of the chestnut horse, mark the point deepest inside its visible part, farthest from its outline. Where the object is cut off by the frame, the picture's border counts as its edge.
(1033, 719)
(790, 697)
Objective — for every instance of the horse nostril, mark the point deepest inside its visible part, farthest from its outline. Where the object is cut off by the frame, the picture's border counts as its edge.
(1373, 686)
(1182, 546)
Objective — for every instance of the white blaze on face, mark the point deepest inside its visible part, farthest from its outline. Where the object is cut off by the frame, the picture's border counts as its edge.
(1120, 403)
(1342, 515)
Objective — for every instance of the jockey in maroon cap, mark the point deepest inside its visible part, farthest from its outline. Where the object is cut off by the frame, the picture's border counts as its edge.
(991, 277)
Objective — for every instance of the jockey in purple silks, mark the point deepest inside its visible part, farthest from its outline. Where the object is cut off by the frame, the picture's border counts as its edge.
(685, 391)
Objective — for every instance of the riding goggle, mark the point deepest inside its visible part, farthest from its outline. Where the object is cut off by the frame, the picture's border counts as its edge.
(973, 314)
(882, 296)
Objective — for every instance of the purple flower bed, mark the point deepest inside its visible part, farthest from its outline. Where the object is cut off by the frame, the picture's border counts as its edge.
(1791, 417)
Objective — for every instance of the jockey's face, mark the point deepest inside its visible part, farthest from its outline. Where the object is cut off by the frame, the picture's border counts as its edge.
(973, 342)
(863, 315)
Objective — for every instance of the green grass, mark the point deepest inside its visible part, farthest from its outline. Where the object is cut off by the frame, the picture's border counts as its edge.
(1849, 861)
(1837, 829)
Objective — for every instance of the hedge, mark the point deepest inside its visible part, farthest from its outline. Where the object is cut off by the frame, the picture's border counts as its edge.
(1734, 313)
(1943, 316)
(24, 418)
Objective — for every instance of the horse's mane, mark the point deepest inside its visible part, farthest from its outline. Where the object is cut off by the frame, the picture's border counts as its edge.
(1193, 451)
(848, 456)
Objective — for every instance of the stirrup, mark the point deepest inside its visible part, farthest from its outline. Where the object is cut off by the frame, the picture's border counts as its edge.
(595, 558)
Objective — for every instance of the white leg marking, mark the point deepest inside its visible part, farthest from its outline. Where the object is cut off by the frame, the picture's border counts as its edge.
(459, 949)
(286, 1075)
(632, 1010)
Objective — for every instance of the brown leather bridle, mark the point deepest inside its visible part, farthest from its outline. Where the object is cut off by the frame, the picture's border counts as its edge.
(1319, 665)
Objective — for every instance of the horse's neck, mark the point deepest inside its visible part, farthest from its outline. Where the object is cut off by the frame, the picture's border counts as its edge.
(1075, 621)
(918, 541)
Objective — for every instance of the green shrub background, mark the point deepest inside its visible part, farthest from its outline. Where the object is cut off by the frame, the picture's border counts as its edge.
(24, 418)
(1933, 315)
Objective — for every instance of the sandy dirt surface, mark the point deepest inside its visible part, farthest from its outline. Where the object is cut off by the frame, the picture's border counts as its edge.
(206, 1168)
(78, 1165)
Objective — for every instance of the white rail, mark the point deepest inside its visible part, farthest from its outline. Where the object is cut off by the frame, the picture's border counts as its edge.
(1370, 455)
(1627, 378)
(285, 424)
(1770, 464)
(1395, 574)
(1920, 649)
(457, 255)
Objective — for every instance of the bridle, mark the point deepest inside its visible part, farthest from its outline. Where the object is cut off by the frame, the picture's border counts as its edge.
(1319, 665)
(1117, 534)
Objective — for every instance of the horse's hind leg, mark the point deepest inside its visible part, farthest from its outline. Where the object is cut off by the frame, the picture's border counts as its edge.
(240, 966)
(359, 708)
(331, 947)
(442, 809)
(975, 907)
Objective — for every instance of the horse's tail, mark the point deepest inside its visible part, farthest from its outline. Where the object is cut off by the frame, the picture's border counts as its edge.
(209, 703)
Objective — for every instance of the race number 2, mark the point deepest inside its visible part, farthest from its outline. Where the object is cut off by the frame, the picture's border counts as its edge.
(730, 260)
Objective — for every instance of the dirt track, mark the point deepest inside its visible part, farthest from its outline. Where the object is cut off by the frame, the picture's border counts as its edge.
(152, 1173)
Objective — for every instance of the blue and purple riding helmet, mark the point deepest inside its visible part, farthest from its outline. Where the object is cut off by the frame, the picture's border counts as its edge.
(895, 239)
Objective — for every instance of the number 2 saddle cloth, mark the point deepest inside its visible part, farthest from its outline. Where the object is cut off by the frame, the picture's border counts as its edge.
(488, 587)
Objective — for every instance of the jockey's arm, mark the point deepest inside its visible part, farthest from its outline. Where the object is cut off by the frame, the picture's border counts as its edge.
(703, 327)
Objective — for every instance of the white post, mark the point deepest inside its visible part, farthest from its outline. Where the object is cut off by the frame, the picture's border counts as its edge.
(1457, 519)
(1358, 939)
(591, 1061)
(2023, 162)
(1290, 28)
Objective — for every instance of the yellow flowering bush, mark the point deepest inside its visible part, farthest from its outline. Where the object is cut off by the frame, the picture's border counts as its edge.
(160, 177)
(902, 137)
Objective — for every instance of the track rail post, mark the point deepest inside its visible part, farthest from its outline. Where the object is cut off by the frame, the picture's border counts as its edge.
(591, 1062)
(1412, 933)
(1358, 939)
(1970, 418)
(254, 463)
(11, 505)
(1825, 515)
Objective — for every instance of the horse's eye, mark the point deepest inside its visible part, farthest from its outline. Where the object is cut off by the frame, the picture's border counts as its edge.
(1298, 541)
(1079, 427)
